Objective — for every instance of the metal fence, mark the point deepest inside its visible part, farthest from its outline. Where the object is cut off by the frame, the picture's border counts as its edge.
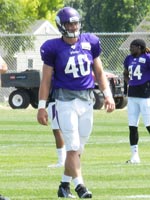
(21, 52)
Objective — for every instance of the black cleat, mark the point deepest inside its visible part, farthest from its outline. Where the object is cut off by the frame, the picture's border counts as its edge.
(64, 191)
(83, 192)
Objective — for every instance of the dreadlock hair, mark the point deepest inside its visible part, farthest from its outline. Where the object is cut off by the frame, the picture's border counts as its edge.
(147, 50)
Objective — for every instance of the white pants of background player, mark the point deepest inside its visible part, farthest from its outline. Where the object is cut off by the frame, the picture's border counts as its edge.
(61, 152)
(137, 106)
(76, 121)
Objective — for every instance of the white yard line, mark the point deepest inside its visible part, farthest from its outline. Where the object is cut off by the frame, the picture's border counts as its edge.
(138, 197)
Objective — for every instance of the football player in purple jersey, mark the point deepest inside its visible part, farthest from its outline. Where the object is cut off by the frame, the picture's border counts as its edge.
(137, 76)
(72, 58)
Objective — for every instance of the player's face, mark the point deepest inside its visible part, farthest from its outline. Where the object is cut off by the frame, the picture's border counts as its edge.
(135, 50)
(72, 27)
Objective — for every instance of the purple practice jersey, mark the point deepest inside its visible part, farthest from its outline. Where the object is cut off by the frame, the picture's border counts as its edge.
(138, 68)
(72, 63)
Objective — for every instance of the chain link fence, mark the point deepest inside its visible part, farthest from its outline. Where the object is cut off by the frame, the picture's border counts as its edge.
(21, 52)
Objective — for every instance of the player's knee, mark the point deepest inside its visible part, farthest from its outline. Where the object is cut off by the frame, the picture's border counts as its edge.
(72, 147)
(83, 141)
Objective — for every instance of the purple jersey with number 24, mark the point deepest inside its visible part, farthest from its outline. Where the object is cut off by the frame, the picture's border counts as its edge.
(72, 63)
(138, 68)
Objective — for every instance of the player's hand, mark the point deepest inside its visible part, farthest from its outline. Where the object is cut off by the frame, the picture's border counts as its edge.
(109, 104)
(42, 116)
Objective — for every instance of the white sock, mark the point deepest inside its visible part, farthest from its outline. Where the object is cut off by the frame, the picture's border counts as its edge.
(78, 180)
(134, 150)
(66, 178)
(61, 153)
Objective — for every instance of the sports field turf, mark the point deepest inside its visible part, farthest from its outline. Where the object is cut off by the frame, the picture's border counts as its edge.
(26, 149)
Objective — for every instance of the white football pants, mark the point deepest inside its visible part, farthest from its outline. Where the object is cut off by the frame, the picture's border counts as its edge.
(137, 106)
(76, 122)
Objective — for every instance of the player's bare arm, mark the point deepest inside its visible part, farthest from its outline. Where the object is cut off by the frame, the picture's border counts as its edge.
(44, 89)
(3, 66)
(103, 85)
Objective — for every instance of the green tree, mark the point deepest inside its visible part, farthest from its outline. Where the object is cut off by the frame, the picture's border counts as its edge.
(15, 18)
(12, 17)
(114, 16)
(30, 8)
(47, 9)
(110, 16)
(77, 4)
(42, 9)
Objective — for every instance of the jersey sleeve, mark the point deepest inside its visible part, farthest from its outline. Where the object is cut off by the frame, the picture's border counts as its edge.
(148, 59)
(47, 53)
(96, 46)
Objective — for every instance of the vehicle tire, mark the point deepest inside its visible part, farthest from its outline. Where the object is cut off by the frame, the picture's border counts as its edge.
(19, 99)
(99, 101)
(34, 97)
(120, 102)
(34, 104)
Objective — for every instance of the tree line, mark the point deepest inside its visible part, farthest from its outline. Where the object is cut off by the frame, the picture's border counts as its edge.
(97, 15)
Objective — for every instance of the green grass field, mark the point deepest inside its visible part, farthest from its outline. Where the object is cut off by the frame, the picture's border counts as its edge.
(26, 149)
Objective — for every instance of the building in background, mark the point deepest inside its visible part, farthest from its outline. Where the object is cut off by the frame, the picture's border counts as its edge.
(40, 31)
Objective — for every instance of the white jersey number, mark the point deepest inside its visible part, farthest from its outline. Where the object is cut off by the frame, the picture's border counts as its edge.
(71, 66)
(136, 72)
